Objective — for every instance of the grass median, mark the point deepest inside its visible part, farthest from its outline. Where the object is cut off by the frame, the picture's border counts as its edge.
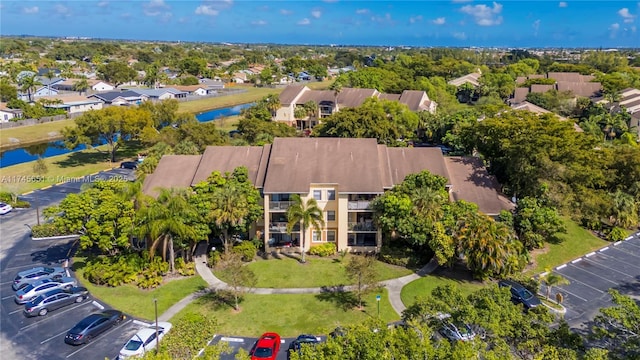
(316, 272)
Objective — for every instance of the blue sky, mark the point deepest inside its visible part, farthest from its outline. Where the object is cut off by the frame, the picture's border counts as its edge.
(510, 23)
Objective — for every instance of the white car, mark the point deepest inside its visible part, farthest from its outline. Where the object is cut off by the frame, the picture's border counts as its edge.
(5, 208)
(144, 340)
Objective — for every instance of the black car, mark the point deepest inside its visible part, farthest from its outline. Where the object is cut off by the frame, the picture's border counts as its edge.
(520, 294)
(55, 299)
(93, 325)
(296, 345)
(133, 165)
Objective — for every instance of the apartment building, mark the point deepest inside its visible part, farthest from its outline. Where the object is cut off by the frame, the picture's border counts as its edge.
(343, 175)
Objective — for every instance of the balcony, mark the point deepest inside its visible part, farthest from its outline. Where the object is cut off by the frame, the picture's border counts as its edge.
(359, 205)
(279, 205)
(281, 227)
(361, 226)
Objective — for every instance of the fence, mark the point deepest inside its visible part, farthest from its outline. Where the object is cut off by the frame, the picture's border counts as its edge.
(29, 122)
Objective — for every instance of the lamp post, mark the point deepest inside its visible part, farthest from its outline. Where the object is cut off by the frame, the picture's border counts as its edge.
(378, 301)
(155, 304)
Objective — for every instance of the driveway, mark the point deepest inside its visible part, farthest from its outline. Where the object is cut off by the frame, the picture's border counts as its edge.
(43, 337)
(613, 267)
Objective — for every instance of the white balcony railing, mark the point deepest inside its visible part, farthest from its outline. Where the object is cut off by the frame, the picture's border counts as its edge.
(281, 227)
(359, 205)
(279, 205)
(361, 226)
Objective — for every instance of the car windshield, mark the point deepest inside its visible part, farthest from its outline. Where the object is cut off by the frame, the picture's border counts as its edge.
(263, 352)
(526, 294)
(133, 345)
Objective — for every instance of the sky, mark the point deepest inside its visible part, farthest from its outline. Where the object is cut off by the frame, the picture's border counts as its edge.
(424, 23)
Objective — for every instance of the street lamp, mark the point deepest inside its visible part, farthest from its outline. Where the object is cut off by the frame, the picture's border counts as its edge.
(155, 303)
(378, 301)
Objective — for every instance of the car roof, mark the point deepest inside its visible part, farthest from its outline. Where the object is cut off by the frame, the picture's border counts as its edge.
(267, 340)
(513, 284)
(144, 333)
(53, 292)
(31, 271)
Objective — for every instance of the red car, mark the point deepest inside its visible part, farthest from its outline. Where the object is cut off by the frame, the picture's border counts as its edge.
(266, 347)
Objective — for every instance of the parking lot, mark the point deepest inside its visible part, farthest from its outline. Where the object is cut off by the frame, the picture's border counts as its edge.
(590, 277)
(43, 337)
(237, 343)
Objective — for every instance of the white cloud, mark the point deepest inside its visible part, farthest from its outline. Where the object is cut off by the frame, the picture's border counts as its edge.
(459, 35)
(155, 8)
(316, 13)
(362, 11)
(103, 4)
(615, 26)
(304, 21)
(613, 30)
(415, 19)
(626, 15)
(31, 10)
(439, 21)
(259, 23)
(484, 15)
(386, 19)
(563, 4)
(286, 12)
(62, 10)
(206, 10)
(536, 27)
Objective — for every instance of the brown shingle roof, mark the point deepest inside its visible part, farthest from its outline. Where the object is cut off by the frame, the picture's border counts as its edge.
(471, 182)
(288, 95)
(584, 89)
(405, 161)
(413, 99)
(226, 159)
(541, 88)
(295, 163)
(520, 95)
(567, 76)
(350, 97)
(173, 171)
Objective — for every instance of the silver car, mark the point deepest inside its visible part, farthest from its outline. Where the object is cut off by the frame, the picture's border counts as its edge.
(24, 278)
(55, 299)
(40, 287)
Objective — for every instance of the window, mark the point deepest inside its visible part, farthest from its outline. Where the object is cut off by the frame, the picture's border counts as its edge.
(317, 194)
(331, 215)
(316, 236)
(331, 235)
(331, 194)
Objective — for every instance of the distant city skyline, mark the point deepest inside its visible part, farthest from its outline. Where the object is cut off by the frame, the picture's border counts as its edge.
(461, 23)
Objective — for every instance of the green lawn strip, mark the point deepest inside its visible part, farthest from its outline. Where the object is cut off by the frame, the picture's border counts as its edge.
(316, 272)
(290, 315)
(252, 94)
(74, 166)
(576, 242)
(138, 302)
(423, 287)
(33, 134)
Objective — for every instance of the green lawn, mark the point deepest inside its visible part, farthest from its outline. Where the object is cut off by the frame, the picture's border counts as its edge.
(289, 273)
(290, 315)
(423, 287)
(20, 178)
(33, 134)
(576, 242)
(252, 94)
(138, 302)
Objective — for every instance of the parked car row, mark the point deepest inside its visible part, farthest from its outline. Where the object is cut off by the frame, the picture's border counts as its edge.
(268, 346)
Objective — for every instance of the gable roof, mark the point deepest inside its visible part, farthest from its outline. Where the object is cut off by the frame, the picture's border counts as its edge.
(290, 93)
(472, 79)
(173, 171)
(415, 100)
(406, 161)
(112, 95)
(227, 158)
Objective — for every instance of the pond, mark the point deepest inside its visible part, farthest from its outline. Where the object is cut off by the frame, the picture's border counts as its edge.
(53, 148)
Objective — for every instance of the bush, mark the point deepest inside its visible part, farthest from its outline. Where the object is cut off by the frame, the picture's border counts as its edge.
(402, 256)
(47, 230)
(185, 269)
(616, 234)
(213, 259)
(189, 334)
(246, 250)
(323, 250)
(11, 199)
(126, 269)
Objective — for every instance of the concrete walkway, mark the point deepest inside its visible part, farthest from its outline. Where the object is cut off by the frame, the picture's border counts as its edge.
(393, 286)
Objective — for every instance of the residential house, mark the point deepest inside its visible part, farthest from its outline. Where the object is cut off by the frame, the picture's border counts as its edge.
(240, 77)
(199, 90)
(160, 94)
(7, 114)
(629, 99)
(578, 84)
(74, 103)
(98, 85)
(329, 102)
(39, 92)
(527, 106)
(122, 98)
(212, 84)
(344, 175)
(472, 79)
(43, 72)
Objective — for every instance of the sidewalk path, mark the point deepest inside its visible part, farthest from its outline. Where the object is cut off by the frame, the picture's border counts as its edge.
(394, 286)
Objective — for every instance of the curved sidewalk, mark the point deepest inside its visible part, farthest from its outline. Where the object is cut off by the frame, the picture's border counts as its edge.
(393, 286)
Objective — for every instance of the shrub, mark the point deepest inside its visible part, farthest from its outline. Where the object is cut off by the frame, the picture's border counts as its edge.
(402, 256)
(616, 234)
(190, 333)
(125, 269)
(12, 199)
(323, 250)
(185, 269)
(47, 230)
(214, 258)
(246, 250)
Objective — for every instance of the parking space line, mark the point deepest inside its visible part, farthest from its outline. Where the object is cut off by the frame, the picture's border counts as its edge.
(578, 281)
(231, 339)
(604, 266)
(102, 335)
(632, 244)
(619, 260)
(53, 316)
(8, 297)
(596, 275)
(53, 337)
(572, 294)
(15, 311)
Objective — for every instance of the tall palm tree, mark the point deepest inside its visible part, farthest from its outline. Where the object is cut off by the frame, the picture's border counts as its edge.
(273, 104)
(49, 75)
(229, 211)
(163, 223)
(624, 210)
(551, 279)
(307, 214)
(29, 84)
(81, 85)
(337, 89)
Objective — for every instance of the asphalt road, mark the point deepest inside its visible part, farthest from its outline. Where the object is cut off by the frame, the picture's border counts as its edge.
(590, 277)
(42, 338)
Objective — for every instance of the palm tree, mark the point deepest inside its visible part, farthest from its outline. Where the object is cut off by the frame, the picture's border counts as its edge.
(273, 104)
(229, 211)
(551, 279)
(337, 89)
(81, 85)
(624, 210)
(49, 75)
(28, 84)
(427, 203)
(163, 222)
(306, 214)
